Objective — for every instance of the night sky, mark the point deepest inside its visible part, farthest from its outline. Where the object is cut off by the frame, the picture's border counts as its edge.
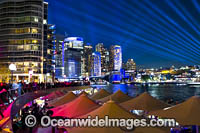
(154, 33)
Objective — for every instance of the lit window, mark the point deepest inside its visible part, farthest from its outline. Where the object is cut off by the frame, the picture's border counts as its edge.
(20, 47)
(35, 48)
(34, 64)
(48, 51)
(26, 63)
(44, 21)
(27, 30)
(35, 19)
(34, 41)
(34, 30)
(27, 47)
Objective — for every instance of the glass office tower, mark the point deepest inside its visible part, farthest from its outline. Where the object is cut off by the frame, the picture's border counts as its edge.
(72, 57)
(96, 64)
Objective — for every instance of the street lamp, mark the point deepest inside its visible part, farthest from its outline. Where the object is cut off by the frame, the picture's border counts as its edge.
(30, 72)
(12, 68)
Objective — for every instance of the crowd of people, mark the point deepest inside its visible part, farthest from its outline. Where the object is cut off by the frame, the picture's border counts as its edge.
(9, 91)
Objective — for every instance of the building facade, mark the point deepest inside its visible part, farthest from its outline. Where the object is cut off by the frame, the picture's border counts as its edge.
(111, 58)
(96, 64)
(130, 65)
(115, 58)
(104, 57)
(23, 38)
(87, 59)
(50, 57)
(72, 57)
(59, 67)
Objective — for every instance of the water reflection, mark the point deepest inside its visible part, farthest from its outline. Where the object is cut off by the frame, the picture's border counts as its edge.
(162, 92)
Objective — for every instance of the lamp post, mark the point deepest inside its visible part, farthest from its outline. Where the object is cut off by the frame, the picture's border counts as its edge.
(30, 75)
(12, 68)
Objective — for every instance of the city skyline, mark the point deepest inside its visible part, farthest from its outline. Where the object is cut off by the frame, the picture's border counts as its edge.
(159, 37)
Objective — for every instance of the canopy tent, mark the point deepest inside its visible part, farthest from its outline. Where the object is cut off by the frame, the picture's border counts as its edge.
(4, 121)
(64, 99)
(144, 102)
(59, 93)
(7, 126)
(77, 107)
(186, 113)
(100, 94)
(83, 92)
(6, 112)
(72, 88)
(53, 95)
(118, 97)
(110, 109)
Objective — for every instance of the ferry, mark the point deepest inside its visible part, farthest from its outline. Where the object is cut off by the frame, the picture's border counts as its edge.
(193, 83)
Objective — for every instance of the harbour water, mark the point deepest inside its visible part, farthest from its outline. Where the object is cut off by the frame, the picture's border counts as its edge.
(178, 93)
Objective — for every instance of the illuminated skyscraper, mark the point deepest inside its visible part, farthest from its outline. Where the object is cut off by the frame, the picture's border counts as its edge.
(111, 58)
(23, 38)
(87, 57)
(96, 64)
(104, 57)
(115, 58)
(50, 55)
(59, 69)
(72, 57)
(130, 65)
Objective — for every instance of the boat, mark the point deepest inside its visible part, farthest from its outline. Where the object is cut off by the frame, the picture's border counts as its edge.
(116, 82)
(193, 83)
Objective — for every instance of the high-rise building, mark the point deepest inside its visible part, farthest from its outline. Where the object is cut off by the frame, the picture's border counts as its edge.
(130, 65)
(59, 67)
(50, 58)
(23, 38)
(111, 58)
(104, 57)
(115, 58)
(73, 57)
(87, 57)
(96, 64)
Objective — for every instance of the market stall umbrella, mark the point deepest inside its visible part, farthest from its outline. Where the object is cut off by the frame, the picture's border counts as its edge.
(59, 93)
(7, 127)
(5, 123)
(186, 113)
(110, 109)
(77, 107)
(100, 94)
(118, 97)
(144, 102)
(53, 95)
(83, 92)
(64, 99)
